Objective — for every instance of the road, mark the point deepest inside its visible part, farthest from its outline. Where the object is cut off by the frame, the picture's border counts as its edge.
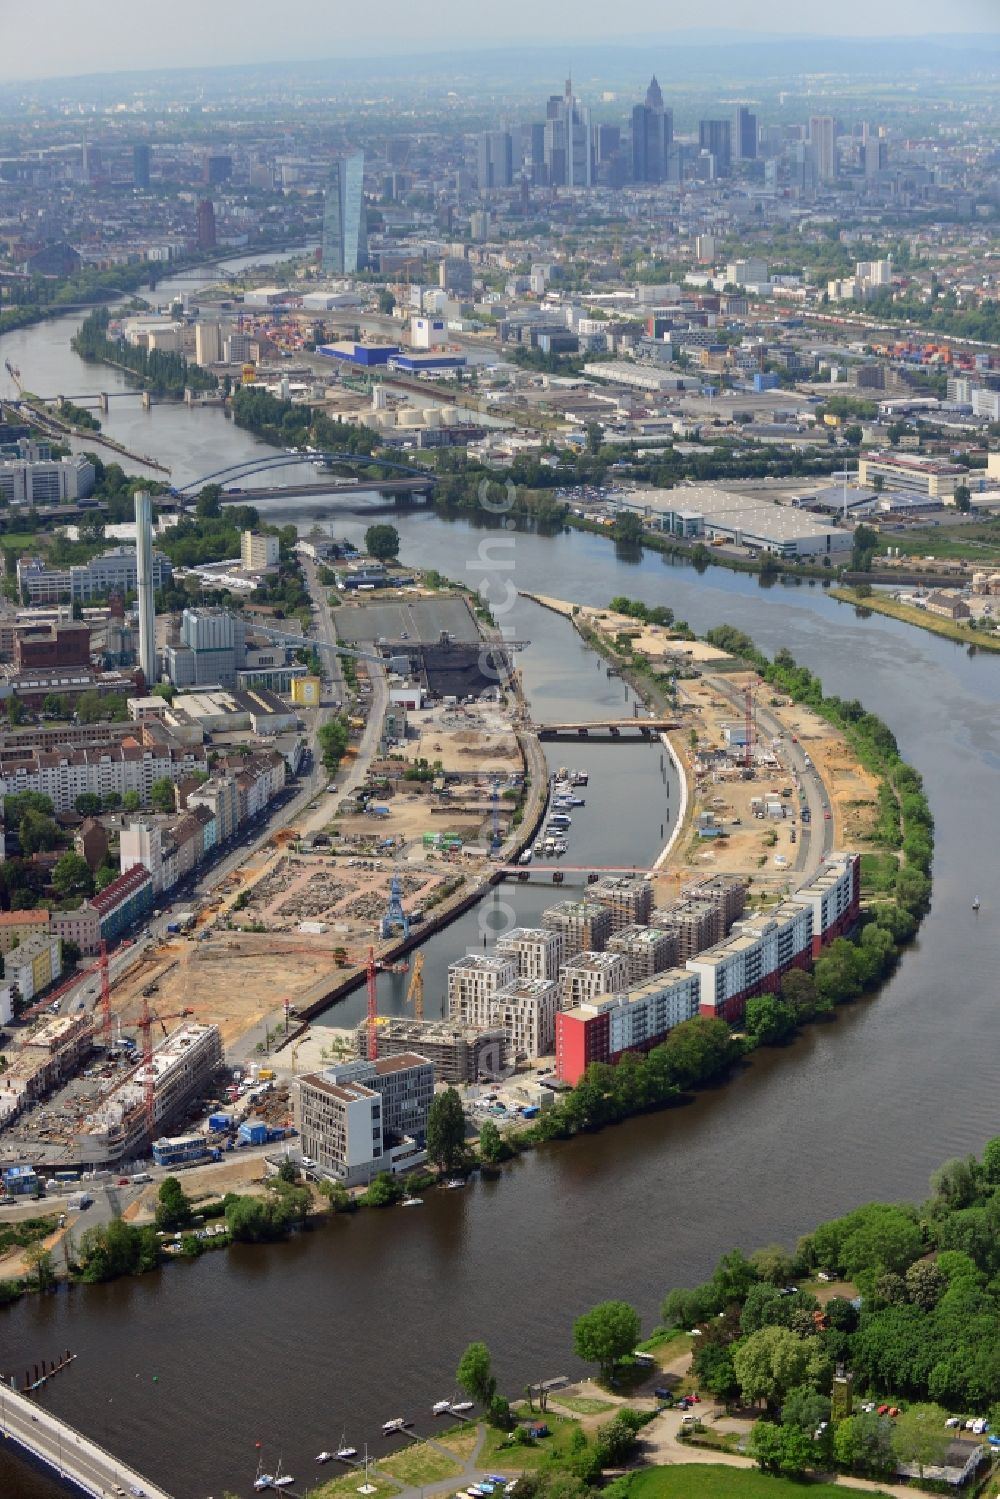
(68, 1451)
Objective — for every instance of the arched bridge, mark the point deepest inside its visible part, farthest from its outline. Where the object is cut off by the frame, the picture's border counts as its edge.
(411, 478)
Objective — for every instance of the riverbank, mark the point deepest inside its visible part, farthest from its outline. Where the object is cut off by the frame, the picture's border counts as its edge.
(908, 614)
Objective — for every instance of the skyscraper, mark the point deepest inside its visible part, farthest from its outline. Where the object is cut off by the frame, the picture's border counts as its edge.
(568, 154)
(652, 136)
(716, 137)
(345, 242)
(745, 134)
(496, 160)
(141, 156)
(823, 139)
(144, 585)
(206, 225)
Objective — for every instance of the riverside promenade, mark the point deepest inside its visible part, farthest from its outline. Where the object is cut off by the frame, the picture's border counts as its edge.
(67, 1452)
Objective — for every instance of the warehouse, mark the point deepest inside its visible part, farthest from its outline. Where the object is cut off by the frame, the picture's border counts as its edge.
(750, 520)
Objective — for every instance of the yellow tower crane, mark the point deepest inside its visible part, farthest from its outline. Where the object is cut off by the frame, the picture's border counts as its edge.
(415, 989)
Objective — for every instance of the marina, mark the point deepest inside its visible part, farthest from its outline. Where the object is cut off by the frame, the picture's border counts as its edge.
(896, 1070)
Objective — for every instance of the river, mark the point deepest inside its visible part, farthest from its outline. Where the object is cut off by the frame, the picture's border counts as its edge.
(365, 1318)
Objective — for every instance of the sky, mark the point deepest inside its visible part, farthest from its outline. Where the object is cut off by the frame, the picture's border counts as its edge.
(55, 38)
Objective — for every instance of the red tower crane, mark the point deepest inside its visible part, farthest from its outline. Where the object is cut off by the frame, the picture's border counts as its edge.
(148, 1080)
(372, 1007)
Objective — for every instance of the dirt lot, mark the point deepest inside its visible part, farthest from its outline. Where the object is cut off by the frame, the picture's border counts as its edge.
(464, 739)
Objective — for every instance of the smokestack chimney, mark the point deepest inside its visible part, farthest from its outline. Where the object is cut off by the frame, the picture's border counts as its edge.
(144, 579)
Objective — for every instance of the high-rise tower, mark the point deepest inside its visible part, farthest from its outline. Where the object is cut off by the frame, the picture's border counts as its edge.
(144, 584)
(345, 243)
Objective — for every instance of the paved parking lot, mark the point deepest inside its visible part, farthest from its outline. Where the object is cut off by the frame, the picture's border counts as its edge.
(422, 619)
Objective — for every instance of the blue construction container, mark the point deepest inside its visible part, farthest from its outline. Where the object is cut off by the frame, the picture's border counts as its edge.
(253, 1132)
(220, 1122)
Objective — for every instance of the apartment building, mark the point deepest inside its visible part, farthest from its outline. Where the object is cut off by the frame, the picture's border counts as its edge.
(526, 1012)
(473, 982)
(647, 950)
(63, 774)
(629, 898)
(458, 1053)
(603, 1029)
(590, 975)
(585, 925)
(537, 951)
(257, 551)
(33, 965)
(183, 1066)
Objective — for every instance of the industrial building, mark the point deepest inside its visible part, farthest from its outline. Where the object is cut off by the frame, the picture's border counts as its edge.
(45, 481)
(750, 520)
(183, 1066)
(114, 571)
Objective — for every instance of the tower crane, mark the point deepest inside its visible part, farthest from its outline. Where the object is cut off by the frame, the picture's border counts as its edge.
(148, 1079)
(415, 988)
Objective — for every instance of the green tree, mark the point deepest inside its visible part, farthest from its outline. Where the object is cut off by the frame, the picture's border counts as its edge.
(491, 1143)
(863, 1443)
(785, 1450)
(627, 528)
(963, 498)
(606, 1334)
(131, 801)
(919, 1436)
(88, 804)
(15, 710)
(475, 1374)
(166, 690)
(773, 1264)
(173, 1206)
(208, 505)
(161, 794)
(769, 1363)
(446, 1130)
(382, 541)
(805, 1407)
(384, 1191)
(40, 1267)
(72, 876)
(37, 833)
(768, 1021)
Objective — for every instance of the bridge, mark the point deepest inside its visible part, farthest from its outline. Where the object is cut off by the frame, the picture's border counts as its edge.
(260, 465)
(606, 728)
(67, 1452)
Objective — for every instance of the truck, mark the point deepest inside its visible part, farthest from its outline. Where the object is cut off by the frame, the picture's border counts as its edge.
(79, 1201)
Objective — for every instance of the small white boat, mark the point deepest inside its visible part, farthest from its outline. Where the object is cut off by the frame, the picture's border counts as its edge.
(346, 1453)
(324, 1457)
(441, 1407)
(452, 1184)
(975, 904)
(461, 1406)
(396, 1424)
(283, 1481)
(263, 1481)
(412, 1202)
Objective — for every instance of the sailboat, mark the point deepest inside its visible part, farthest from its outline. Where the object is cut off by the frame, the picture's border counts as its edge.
(975, 903)
(282, 1480)
(263, 1480)
(345, 1452)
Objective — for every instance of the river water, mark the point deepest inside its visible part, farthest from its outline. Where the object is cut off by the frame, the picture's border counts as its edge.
(365, 1318)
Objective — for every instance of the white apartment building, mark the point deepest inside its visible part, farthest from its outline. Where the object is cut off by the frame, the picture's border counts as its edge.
(62, 775)
(590, 975)
(538, 951)
(473, 982)
(362, 1117)
(526, 1009)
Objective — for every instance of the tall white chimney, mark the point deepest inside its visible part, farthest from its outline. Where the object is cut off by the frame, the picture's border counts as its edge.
(144, 579)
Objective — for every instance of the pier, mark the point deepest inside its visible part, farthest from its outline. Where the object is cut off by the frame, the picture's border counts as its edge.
(67, 1452)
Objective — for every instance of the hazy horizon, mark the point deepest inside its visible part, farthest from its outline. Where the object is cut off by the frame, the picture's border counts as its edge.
(58, 39)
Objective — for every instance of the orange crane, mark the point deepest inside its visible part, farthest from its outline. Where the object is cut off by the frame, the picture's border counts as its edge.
(148, 1081)
(372, 1007)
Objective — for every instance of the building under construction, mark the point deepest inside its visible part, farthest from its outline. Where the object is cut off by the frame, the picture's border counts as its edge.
(459, 1053)
(182, 1066)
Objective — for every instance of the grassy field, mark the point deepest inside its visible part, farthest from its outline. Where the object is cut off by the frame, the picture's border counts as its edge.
(347, 1487)
(419, 1464)
(975, 541)
(501, 1454)
(951, 630)
(583, 1405)
(460, 1439)
(705, 1481)
(878, 873)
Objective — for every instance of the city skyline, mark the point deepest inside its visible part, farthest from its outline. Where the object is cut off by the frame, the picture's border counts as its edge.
(236, 35)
